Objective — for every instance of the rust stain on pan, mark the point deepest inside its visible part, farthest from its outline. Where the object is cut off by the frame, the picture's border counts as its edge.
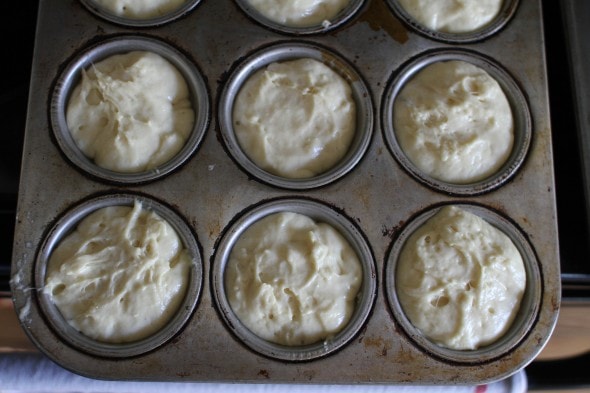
(378, 344)
(379, 17)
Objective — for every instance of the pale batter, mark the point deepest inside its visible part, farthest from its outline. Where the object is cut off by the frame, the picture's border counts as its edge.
(453, 16)
(460, 280)
(454, 122)
(130, 112)
(120, 275)
(292, 281)
(296, 118)
(300, 13)
(140, 9)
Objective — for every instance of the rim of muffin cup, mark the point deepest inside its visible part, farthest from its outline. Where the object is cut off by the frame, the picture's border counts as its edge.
(522, 122)
(525, 317)
(70, 77)
(506, 13)
(286, 51)
(106, 14)
(319, 212)
(339, 20)
(65, 225)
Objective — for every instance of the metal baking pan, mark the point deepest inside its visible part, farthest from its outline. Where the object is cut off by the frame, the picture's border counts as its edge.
(211, 190)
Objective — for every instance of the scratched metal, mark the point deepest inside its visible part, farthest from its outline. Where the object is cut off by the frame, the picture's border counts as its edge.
(211, 190)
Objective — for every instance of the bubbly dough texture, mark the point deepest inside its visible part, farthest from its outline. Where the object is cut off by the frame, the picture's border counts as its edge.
(453, 16)
(454, 122)
(292, 281)
(120, 276)
(460, 280)
(140, 9)
(131, 112)
(299, 13)
(295, 119)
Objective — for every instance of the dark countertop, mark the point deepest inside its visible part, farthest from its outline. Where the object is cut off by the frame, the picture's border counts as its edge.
(17, 42)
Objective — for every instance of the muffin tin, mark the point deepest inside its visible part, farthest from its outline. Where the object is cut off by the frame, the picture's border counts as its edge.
(215, 193)
(345, 15)
(67, 223)
(71, 76)
(284, 52)
(504, 16)
(319, 213)
(105, 13)
(523, 321)
(516, 99)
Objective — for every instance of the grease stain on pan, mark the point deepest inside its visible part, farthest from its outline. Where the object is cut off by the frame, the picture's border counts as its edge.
(379, 17)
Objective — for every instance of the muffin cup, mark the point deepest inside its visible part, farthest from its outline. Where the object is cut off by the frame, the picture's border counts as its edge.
(70, 77)
(107, 15)
(516, 100)
(291, 51)
(338, 21)
(498, 23)
(64, 226)
(319, 213)
(525, 318)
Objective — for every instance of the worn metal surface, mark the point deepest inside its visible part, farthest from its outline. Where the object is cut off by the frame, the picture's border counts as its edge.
(210, 190)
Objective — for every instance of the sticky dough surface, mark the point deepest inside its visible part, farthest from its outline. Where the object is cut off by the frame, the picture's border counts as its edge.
(299, 13)
(120, 276)
(140, 9)
(454, 122)
(296, 118)
(460, 280)
(292, 281)
(453, 16)
(131, 112)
